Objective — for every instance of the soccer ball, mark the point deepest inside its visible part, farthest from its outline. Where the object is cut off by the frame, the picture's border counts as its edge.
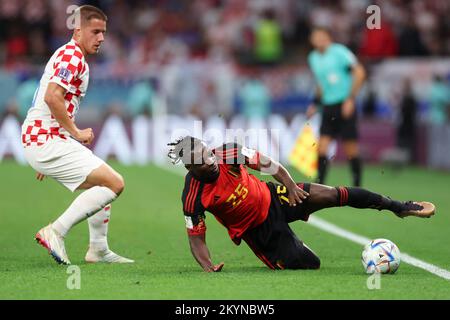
(380, 256)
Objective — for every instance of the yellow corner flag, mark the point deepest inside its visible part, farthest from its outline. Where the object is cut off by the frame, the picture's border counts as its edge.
(304, 155)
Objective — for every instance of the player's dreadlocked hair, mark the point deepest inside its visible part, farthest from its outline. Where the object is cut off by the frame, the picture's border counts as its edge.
(181, 149)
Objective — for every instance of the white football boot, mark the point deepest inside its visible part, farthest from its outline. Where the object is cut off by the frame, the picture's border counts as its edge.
(51, 240)
(106, 256)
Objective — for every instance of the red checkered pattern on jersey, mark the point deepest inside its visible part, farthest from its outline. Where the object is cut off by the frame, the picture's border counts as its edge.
(69, 58)
(36, 135)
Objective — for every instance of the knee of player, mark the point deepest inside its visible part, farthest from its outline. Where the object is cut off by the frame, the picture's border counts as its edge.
(120, 184)
(117, 184)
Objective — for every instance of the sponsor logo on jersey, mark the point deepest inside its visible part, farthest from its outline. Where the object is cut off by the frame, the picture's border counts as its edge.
(64, 74)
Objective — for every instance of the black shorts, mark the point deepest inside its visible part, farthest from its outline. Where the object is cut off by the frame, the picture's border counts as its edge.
(334, 125)
(274, 242)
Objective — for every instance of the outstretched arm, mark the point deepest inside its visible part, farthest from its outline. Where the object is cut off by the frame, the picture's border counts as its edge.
(278, 171)
(201, 253)
(196, 230)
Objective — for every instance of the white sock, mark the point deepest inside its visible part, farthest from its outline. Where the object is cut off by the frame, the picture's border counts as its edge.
(98, 229)
(84, 206)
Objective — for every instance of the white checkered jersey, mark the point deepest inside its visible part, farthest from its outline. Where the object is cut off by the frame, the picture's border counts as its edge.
(68, 68)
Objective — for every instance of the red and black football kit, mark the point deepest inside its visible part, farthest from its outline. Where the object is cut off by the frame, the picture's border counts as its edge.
(252, 210)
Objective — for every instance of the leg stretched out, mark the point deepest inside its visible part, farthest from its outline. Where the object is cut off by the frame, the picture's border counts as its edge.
(322, 196)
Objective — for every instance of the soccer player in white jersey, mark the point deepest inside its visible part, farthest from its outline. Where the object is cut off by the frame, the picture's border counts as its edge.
(54, 145)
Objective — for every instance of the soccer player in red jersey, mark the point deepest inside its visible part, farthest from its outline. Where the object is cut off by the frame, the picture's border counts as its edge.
(260, 212)
(54, 145)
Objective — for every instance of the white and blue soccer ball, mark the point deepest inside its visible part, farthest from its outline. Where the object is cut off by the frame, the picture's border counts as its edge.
(380, 256)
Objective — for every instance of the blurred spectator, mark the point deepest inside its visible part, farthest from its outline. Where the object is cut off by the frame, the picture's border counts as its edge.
(268, 46)
(140, 99)
(192, 48)
(10, 109)
(219, 37)
(439, 97)
(33, 29)
(369, 107)
(410, 40)
(255, 98)
(25, 95)
(406, 131)
(379, 43)
(16, 44)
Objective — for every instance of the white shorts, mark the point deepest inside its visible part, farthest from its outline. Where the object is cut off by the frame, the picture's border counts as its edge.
(66, 161)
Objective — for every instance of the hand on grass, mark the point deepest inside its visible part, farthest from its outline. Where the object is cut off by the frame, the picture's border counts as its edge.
(216, 268)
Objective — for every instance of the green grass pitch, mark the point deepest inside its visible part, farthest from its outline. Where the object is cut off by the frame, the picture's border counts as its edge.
(147, 225)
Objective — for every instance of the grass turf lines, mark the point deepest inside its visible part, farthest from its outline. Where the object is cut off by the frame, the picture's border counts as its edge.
(147, 225)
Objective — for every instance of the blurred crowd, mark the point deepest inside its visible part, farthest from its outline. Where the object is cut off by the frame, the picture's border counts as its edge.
(218, 56)
(144, 32)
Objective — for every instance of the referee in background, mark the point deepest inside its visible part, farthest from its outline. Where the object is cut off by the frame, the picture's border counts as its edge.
(339, 77)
